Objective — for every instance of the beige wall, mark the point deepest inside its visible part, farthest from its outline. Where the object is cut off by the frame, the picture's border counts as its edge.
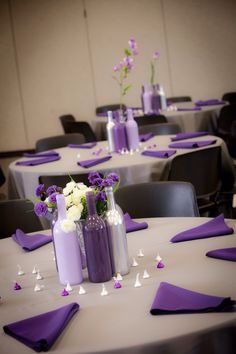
(54, 60)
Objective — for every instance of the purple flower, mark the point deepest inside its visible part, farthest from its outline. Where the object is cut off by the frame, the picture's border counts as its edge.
(156, 54)
(113, 176)
(40, 209)
(40, 190)
(52, 197)
(93, 177)
(116, 68)
(107, 182)
(100, 195)
(52, 189)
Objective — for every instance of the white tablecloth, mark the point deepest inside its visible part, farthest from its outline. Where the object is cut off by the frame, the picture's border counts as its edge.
(121, 322)
(132, 169)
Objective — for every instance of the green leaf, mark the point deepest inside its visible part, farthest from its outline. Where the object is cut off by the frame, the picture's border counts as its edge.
(127, 52)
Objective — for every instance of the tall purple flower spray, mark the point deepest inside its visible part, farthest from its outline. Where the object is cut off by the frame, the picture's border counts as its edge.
(155, 57)
(124, 68)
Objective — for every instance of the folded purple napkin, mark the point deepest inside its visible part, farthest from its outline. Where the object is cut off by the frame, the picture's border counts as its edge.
(160, 153)
(93, 162)
(83, 146)
(131, 225)
(212, 228)
(41, 154)
(145, 137)
(40, 332)
(192, 144)
(188, 135)
(213, 101)
(174, 299)
(195, 108)
(228, 254)
(30, 242)
(38, 161)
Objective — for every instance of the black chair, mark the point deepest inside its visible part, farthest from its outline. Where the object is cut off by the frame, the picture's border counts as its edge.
(17, 214)
(226, 127)
(102, 110)
(2, 177)
(202, 168)
(178, 99)
(160, 129)
(62, 180)
(150, 119)
(58, 141)
(83, 128)
(158, 199)
(229, 97)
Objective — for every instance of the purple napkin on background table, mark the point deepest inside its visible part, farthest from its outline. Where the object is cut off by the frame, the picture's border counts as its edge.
(131, 225)
(212, 228)
(174, 299)
(83, 146)
(192, 144)
(188, 135)
(38, 161)
(93, 162)
(189, 108)
(146, 137)
(211, 102)
(228, 254)
(30, 242)
(40, 332)
(41, 154)
(160, 153)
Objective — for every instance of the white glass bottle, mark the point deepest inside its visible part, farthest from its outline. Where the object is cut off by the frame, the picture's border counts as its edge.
(117, 235)
(109, 129)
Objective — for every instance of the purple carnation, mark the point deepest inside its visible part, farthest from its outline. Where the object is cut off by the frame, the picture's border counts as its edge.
(113, 176)
(40, 209)
(52, 189)
(94, 178)
(107, 182)
(52, 197)
(40, 190)
(100, 195)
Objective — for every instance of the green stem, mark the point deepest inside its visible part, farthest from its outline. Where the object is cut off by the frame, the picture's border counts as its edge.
(152, 73)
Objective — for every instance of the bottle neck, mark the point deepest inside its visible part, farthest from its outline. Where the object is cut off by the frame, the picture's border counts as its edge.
(110, 117)
(130, 114)
(61, 206)
(90, 200)
(111, 205)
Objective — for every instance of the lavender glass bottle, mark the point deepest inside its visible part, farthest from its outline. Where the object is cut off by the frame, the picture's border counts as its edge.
(132, 131)
(119, 133)
(96, 244)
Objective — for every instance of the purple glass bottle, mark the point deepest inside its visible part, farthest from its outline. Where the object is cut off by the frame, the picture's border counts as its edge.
(67, 248)
(132, 131)
(119, 133)
(96, 244)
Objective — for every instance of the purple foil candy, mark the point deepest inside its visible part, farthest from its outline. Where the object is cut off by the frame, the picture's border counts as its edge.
(17, 286)
(64, 292)
(117, 285)
(160, 264)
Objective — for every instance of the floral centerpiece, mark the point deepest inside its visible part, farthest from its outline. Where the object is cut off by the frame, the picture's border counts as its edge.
(124, 68)
(75, 196)
(153, 62)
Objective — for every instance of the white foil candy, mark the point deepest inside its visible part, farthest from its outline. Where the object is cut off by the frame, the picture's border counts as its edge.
(145, 274)
(137, 283)
(119, 277)
(39, 276)
(34, 271)
(20, 271)
(158, 258)
(81, 290)
(38, 287)
(135, 264)
(140, 253)
(104, 290)
(68, 287)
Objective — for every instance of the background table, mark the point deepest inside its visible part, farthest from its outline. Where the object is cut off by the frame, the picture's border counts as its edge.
(204, 119)
(121, 322)
(132, 169)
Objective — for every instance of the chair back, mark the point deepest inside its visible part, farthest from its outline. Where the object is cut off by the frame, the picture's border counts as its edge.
(158, 199)
(62, 180)
(17, 214)
(150, 119)
(177, 99)
(2, 177)
(160, 128)
(229, 97)
(58, 141)
(80, 127)
(202, 168)
(102, 110)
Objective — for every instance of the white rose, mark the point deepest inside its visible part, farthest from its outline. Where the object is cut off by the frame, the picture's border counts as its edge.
(81, 186)
(69, 188)
(68, 200)
(74, 212)
(68, 225)
(76, 196)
